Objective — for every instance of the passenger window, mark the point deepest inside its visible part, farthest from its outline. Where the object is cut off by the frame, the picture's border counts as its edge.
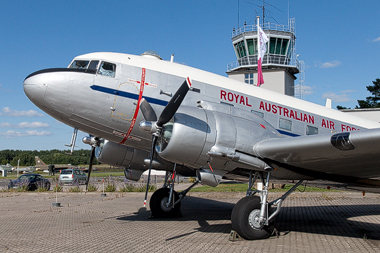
(310, 130)
(93, 65)
(107, 69)
(79, 64)
(285, 124)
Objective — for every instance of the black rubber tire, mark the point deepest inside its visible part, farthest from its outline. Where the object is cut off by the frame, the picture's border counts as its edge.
(32, 187)
(156, 201)
(240, 216)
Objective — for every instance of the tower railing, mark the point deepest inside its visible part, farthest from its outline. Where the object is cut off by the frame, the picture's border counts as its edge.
(266, 26)
(269, 59)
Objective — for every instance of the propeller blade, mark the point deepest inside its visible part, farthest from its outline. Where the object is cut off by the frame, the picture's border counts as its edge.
(168, 112)
(147, 110)
(92, 156)
(174, 103)
(154, 141)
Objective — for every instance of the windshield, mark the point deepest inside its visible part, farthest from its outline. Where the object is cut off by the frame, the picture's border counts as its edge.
(79, 64)
(67, 172)
(84, 64)
(26, 177)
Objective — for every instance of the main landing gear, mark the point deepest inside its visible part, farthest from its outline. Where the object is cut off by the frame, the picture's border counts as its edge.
(253, 217)
(166, 202)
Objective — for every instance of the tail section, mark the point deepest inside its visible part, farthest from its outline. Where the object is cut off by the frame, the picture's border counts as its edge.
(39, 161)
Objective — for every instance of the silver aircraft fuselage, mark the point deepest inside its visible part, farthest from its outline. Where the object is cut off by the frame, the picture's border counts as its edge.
(106, 105)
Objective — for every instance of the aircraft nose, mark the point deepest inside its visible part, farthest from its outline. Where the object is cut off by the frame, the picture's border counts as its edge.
(35, 87)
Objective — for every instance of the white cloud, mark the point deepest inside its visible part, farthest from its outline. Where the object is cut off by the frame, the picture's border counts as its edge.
(375, 40)
(14, 134)
(25, 125)
(341, 97)
(5, 124)
(36, 133)
(306, 90)
(32, 125)
(331, 64)
(14, 113)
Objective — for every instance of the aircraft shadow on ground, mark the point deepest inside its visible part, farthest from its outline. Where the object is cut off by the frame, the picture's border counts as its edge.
(334, 220)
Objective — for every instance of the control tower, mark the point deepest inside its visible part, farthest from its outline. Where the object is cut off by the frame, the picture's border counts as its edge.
(279, 64)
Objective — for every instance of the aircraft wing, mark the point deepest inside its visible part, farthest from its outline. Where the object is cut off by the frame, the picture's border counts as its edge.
(349, 157)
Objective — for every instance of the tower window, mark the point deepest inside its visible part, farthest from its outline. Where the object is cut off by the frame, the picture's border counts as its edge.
(240, 49)
(248, 78)
(278, 46)
(252, 46)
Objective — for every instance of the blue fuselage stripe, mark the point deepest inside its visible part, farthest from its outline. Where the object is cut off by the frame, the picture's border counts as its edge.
(287, 133)
(127, 95)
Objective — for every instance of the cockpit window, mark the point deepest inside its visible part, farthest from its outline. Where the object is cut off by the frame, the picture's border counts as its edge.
(79, 64)
(107, 69)
(93, 65)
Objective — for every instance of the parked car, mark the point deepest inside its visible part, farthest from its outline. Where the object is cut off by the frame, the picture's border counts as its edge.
(31, 181)
(72, 176)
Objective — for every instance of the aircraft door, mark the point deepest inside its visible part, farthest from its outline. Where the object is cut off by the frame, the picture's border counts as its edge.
(106, 81)
(126, 96)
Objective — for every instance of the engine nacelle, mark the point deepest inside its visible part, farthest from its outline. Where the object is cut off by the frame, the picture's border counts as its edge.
(220, 130)
(121, 156)
(134, 161)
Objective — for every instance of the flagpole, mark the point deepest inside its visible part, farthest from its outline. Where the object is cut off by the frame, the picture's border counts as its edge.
(258, 37)
(258, 48)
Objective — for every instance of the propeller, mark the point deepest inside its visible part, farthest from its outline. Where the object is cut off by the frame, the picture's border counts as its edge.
(94, 142)
(147, 110)
(92, 156)
(168, 113)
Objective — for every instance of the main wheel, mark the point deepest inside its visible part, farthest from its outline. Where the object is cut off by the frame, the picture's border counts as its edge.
(158, 204)
(245, 219)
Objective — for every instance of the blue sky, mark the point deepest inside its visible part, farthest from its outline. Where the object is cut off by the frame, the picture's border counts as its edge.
(338, 40)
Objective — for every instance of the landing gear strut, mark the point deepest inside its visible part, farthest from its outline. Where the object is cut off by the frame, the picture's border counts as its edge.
(166, 202)
(253, 217)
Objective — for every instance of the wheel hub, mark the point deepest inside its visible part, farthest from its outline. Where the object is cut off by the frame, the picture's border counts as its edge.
(164, 207)
(254, 219)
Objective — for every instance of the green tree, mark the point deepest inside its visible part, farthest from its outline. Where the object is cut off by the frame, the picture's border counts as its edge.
(339, 107)
(374, 100)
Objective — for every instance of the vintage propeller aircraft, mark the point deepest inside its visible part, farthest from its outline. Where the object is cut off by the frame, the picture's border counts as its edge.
(143, 112)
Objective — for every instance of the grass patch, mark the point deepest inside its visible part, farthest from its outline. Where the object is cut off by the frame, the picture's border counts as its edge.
(92, 187)
(42, 189)
(110, 187)
(228, 187)
(137, 188)
(75, 189)
(223, 187)
(107, 174)
(57, 188)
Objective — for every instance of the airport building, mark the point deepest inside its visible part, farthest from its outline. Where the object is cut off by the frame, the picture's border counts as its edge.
(280, 63)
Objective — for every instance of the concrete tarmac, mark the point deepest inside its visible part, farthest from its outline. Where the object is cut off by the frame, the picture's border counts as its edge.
(87, 222)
